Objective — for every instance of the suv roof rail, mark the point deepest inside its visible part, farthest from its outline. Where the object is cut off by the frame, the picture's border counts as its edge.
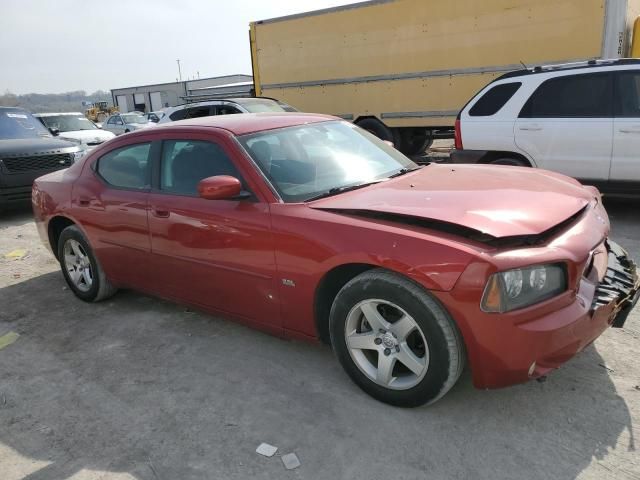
(593, 63)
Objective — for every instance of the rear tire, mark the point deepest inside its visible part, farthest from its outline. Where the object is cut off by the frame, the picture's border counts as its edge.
(101, 117)
(414, 141)
(376, 127)
(514, 162)
(81, 268)
(394, 340)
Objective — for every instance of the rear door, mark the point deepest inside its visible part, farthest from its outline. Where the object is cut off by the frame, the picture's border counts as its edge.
(567, 124)
(625, 163)
(110, 201)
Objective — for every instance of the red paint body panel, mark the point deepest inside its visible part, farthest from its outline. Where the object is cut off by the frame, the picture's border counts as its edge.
(261, 261)
(513, 202)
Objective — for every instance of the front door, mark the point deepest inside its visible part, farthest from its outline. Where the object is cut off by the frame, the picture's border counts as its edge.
(625, 163)
(566, 125)
(214, 253)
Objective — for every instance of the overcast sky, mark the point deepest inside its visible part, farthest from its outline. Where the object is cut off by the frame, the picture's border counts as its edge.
(52, 46)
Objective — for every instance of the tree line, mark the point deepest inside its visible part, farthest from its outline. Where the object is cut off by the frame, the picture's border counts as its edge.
(53, 102)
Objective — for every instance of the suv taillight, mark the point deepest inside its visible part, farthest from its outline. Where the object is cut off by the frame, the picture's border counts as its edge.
(458, 135)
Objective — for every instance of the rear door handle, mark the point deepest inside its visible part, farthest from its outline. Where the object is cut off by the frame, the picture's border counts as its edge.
(160, 213)
(630, 130)
(84, 201)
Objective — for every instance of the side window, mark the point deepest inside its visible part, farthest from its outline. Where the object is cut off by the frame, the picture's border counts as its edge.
(126, 167)
(197, 112)
(112, 120)
(117, 120)
(227, 110)
(627, 95)
(494, 99)
(572, 96)
(185, 162)
(178, 115)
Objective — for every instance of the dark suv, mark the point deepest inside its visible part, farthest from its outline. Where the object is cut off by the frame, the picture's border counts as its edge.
(27, 151)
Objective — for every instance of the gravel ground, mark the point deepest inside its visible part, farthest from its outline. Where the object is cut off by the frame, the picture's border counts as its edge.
(138, 388)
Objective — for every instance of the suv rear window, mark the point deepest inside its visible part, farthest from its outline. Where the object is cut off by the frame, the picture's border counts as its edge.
(494, 99)
(571, 96)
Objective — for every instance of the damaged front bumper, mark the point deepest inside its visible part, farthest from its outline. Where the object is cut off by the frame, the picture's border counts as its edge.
(619, 290)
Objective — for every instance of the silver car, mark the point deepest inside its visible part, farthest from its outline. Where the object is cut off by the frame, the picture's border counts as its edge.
(120, 123)
(225, 106)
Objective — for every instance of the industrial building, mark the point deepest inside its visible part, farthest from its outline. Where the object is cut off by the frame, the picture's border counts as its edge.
(148, 98)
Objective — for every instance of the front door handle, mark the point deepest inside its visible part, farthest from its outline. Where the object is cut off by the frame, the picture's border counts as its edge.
(531, 128)
(629, 130)
(160, 213)
(84, 201)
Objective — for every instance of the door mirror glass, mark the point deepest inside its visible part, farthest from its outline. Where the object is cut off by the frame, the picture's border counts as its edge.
(219, 187)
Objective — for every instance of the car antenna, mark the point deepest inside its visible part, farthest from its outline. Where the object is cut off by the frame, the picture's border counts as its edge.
(525, 67)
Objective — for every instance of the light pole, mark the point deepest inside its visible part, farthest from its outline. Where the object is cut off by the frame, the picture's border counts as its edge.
(179, 71)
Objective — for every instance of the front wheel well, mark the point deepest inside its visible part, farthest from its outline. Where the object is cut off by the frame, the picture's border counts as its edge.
(492, 156)
(328, 289)
(56, 226)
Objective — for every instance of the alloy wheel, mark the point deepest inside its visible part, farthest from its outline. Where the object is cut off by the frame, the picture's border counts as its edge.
(386, 344)
(78, 265)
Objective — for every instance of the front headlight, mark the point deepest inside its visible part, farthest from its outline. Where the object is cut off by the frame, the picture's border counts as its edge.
(78, 155)
(521, 287)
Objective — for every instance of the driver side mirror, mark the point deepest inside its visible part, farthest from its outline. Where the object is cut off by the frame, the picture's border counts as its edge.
(54, 131)
(220, 187)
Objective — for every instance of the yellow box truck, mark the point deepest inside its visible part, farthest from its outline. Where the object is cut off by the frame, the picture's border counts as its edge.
(403, 69)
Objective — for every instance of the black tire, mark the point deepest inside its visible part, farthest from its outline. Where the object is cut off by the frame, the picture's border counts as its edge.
(100, 288)
(379, 129)
(514, 162)
(445, 346)
(414, 141)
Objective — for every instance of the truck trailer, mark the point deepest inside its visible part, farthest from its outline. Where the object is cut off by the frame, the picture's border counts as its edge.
(403, 69)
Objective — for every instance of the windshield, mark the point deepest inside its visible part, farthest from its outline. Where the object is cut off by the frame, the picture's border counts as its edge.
(134, 118)
(265, 105)
(68, 123)
(306, 161)
(20, 124)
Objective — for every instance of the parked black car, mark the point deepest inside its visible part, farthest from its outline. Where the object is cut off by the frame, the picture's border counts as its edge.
(27, 151)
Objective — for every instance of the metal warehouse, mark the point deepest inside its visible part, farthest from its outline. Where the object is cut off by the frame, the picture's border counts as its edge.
(147, 98)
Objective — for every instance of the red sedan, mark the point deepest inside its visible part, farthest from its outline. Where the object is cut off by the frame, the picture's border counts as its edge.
(309, 227)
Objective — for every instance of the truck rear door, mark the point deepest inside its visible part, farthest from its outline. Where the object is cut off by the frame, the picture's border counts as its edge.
(625, 162)
(567, 123)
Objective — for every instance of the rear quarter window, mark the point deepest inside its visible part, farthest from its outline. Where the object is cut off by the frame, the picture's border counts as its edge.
(494, 99)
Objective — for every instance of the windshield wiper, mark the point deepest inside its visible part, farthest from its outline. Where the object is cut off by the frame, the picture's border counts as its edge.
(403, 171)
(337, 190)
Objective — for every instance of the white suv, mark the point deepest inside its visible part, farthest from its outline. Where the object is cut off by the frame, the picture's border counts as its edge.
(580, 119)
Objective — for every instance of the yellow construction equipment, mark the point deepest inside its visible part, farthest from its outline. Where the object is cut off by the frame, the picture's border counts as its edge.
(99, 111)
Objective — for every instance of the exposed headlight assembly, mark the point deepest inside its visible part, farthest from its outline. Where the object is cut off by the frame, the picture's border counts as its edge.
(78, 155)
(521, 287)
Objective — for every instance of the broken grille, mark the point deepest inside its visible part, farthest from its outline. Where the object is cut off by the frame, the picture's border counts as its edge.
(619, 283)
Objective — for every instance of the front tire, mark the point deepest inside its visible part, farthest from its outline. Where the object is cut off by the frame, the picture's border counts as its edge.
(81, 268)
(514, 162)
(394, 340)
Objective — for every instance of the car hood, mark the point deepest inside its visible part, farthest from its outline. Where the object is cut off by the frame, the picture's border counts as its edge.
(498, 201)
(87, 136)
(35, 146)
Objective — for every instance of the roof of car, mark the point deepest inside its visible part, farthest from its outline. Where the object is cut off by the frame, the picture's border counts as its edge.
(245, 123)
(569, 66)
(238, 100)
(55, 114)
